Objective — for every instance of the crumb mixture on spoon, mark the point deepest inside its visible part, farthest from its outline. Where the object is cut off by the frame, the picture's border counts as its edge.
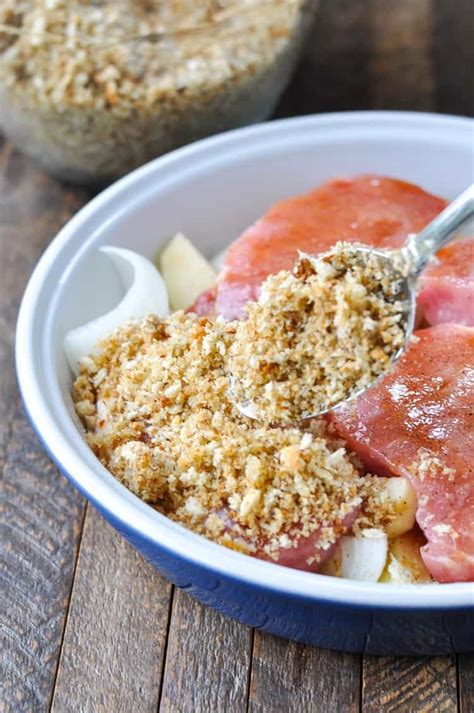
(317, 335)
(156, 406)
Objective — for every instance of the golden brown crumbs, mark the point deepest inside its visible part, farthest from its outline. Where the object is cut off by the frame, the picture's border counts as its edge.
(160, 419)
(108, 85)
(376, 510)
(317, 335)
(136, 51)
(427, 465)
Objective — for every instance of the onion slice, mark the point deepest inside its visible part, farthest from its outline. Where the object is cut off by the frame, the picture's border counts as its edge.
(147, 294)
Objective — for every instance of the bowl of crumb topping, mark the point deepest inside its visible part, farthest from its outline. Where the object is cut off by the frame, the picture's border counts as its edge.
(306, 531)
(93, 90)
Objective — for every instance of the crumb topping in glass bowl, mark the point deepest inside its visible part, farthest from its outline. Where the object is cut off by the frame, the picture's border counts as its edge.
(92, 90)
(128, 53)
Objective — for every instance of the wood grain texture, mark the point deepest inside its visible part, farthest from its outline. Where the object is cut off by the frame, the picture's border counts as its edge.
(465, 664)
(40, 522)
(32, 209)
(409, 685)
(453, 56)
(401, 76)
(289, 678)
(401, 66)
(113, 648)
(362, 54)
(208, 660)
(367, 54)
(332, 75)
(40, 514)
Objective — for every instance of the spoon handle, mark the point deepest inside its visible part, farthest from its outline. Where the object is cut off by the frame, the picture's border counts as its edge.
(422, 247)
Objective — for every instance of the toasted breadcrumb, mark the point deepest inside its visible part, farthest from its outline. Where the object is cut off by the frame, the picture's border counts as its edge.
(427, 465)
(94, 89)
(317, 335)
(160, 419)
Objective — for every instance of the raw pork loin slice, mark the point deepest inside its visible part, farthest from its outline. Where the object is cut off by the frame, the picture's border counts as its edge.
(368, 209)
(304, 553)
(447, 293)
(419, 422)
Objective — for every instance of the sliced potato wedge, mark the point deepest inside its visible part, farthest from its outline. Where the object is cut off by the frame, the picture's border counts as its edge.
(403, 495)
(404, 563)
(185, 271)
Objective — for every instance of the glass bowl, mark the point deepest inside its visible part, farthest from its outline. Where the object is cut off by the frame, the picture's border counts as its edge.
(91, 90)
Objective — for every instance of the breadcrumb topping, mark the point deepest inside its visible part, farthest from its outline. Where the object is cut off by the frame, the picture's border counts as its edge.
(156, 407)
(318, 334)
(427, 465)
(94, 89)
(133, 53)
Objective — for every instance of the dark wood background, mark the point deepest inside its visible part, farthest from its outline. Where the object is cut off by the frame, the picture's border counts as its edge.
(86, 623)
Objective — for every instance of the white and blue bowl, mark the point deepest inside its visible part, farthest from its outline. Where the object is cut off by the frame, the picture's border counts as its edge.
(211, 191)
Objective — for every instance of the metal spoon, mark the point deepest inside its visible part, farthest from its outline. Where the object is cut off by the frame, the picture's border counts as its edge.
(410, 261)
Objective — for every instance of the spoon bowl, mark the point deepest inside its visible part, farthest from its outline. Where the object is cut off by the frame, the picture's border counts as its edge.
(401, 268)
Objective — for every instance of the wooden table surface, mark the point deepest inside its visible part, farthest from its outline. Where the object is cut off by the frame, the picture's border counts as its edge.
(87, 624)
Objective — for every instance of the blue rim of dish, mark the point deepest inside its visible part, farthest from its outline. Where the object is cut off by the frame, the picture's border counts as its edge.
(200, 551)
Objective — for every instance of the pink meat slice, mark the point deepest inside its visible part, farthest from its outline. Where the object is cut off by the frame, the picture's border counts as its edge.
(447, 292)
(370, 209)
(419, 422)
(305, 553)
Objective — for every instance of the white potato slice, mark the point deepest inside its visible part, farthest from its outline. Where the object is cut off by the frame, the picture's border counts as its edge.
(359, 558)
(146, 294)
(404, 563)
(403, 496)
(185, 271)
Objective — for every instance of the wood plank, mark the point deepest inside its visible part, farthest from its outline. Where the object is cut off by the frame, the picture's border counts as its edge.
(370, 54)
(401, 66)
(409, 685)
(365, 54)
(113, 647)
(453, 56)
(40, 524)
(40, 513)
(465, 665)
(402, 76)
(332, 74)
(208, 660)
(10, 291)
(289, 677)
(33, 208)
